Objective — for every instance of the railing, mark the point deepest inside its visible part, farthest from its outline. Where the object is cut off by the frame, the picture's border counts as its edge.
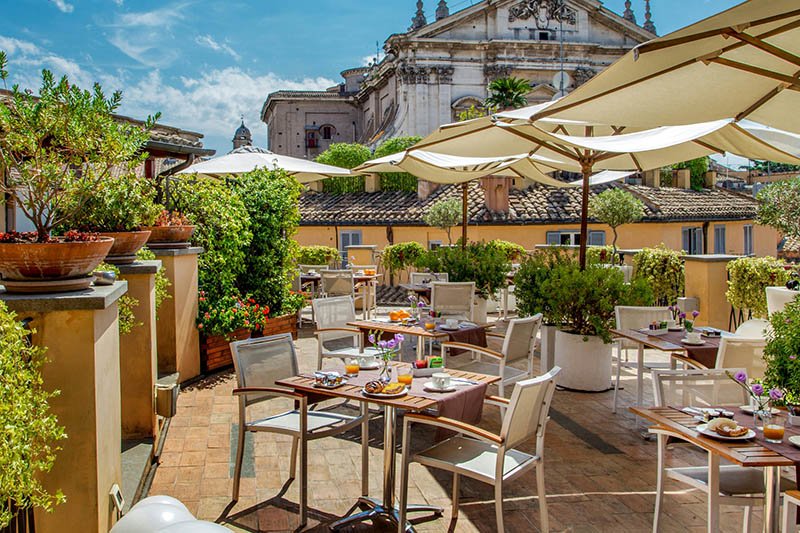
(21, 522)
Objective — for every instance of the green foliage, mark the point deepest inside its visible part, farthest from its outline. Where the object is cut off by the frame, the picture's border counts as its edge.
(444, 215)
(225, 315)
(125, 304)
(616, 207)
(161, 281)
(29, 432)
(63, 144)
(486, 265)
(508, 93)
(698, 168)
(471, 113)
(345, 155)
(601, 255)
(663, 270)
(223, 230)
(511, 250)
(402, 255)
(782, 352)
(270, 198)
(767, 167)
(294, 302)
(317, 255)
(530, 279)
(397, 181)
(748, 278)
(120, 203)
(779, 207)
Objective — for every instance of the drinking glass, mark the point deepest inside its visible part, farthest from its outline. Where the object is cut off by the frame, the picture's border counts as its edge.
(351, 367)
(405, 375)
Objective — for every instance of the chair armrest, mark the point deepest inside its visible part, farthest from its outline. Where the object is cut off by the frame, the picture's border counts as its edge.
(244, 391)
(455, 425)
(691, 362)
(325, 330)
(497, 335)
(473, 348)
(497, 399)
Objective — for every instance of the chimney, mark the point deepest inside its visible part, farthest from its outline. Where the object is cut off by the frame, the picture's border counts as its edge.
(425, 189)
(495, 192)
(442, 11)
(683, 178)
(710, 180)
(372, 183)
(652, 178)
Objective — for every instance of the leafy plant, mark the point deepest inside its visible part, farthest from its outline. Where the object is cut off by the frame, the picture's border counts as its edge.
(397, 181)
(779, 207)
(161, 281)
(486, 265)
(402, 255)
(511, 250)
(171, 218)
(530, 279)
(600, 255)
(270, 198)
(317, 255)
(29, 432)
(616, 207)
(697, 170)
(471, 113)
(663, 270)
(508, 93)
(227, 314)
(294, 302)
(345, 155)
(748, 278)
(444, 215)
(61, 145)
(782, 352)
(125, 304)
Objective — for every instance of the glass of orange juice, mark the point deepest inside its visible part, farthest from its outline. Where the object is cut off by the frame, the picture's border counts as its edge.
(774, 430)
(351, 367)
(405, 375)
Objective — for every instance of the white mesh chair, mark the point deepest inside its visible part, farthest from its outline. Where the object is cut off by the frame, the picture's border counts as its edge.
(740, 352)
(335, 339)
(791, 502)
(259, 363)
(366, 290)
(305, 269)
(483, 455)
(755, 328)
(423, 278)
(518, 345)
(739, 486)
(633, 317)
(454, 300)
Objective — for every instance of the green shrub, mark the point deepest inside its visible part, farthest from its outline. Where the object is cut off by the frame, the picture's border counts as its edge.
(317, 255)
(125, 304)
(663, 269)
(29, 432)
(162, 282)
(779, 206)
(486, 265)
(530, 279)
(512, 251)
(397, 181)
(600, 255)
(444, 215)
(345, 155)
(616, 207)
(748, 278)
(402, 255)
(782, 352)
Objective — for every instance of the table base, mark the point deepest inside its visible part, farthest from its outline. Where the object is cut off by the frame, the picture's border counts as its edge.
(375, 509)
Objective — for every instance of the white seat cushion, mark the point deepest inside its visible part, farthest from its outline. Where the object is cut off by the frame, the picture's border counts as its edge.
(734, 480)
(470, 455)
(290, 421)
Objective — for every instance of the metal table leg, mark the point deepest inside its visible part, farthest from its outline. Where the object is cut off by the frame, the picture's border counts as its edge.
(373, 507)
(772, 496)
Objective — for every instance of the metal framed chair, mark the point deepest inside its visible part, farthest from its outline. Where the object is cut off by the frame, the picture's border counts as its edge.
(305, 269)
(739, 486)
(259, 363)
(453, 299)
(741, 352)
(518, 344)
(335, 339)
(755, 328)
(423, 278)
(366, 290)
(486, 456)
(791, 502)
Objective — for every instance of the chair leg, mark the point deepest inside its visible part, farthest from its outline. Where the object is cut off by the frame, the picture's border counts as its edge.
(662, 445)
(498, 505)
(237, 473)
(616, 384)
(293, 464)
(713, 493)
(542, 493)
(365, 449)
(456, 491)
(404, 464)
(747, 519)
(303, 480)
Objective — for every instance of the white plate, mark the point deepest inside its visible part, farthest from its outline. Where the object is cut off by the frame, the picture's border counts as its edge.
(430, 388)
(703, 430)
(691, 343)
(386, 396)
(795, 440)
(374, 366)
(749, 410)
(675, 328)
(448, 328)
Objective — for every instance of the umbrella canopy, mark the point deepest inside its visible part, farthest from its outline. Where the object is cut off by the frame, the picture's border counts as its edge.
(249, 158)
(741, 63)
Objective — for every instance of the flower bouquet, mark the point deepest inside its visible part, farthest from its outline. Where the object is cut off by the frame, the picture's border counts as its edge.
(387, 350)
(760, 402)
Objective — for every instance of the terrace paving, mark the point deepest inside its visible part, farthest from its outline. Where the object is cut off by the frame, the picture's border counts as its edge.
(600, 474)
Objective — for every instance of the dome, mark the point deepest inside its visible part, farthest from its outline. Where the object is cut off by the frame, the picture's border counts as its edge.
(242, 132)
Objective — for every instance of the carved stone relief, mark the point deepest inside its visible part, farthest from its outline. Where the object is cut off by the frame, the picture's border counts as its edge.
(543, 12)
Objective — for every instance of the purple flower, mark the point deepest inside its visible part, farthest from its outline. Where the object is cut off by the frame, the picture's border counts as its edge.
(775, 394)
(371, 338)
(412, 298)
(758, 389)
(792, 357)
(399, 337)
(420, 304)
(671, 308)
(740, 376)
(382, 344)
(391, 344)
(682, 315)
(695, 314)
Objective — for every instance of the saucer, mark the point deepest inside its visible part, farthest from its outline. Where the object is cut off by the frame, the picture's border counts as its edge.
(373, 366)
(431, 388)
(795, 440)
(692, 343)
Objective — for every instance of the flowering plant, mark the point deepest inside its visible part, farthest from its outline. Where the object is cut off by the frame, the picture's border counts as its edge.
(230, 313)
(416, 304)
(386, 349)
(756, 390)
(675, 311)
(689, 324)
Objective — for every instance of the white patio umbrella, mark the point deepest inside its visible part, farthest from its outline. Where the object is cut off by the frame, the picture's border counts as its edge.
(741, 63)
(249, 158)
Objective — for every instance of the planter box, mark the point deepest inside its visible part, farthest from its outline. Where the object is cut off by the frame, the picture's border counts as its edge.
(215, 351)
(278, 325)
(585, 365)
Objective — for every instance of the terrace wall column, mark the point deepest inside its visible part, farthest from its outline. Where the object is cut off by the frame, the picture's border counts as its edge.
(707, 280)
(81, 333)
(138, 355)
(178, 338)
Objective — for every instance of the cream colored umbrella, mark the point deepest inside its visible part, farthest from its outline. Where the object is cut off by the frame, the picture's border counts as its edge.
(741, 63)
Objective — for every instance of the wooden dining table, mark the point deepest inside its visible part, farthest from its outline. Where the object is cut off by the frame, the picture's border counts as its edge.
(675, 423)
(386, 508)
(415, 330)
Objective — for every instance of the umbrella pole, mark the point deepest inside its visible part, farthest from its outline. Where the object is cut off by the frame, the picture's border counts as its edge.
(464, 214)
(587, 172)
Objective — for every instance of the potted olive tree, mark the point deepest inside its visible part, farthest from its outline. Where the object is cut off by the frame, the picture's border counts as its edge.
(782, 355)
(617, 207)
(54, 147)
(779, 207)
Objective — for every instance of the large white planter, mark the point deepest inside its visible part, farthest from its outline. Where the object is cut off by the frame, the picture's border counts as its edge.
(778, 297)
(585, 365)
(547, 348)
(479, 310)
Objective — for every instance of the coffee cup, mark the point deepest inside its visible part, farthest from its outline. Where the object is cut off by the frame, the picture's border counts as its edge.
(440, 380)
(367, 360)
(693, 336)
(452, 323)
(671, 324)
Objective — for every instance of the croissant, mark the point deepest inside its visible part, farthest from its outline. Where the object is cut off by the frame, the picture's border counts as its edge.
(374, 387)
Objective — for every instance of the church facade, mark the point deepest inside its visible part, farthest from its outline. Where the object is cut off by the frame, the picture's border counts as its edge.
(440, 68)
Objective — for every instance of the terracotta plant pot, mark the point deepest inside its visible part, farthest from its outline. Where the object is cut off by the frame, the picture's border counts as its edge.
(164, 236)
(215, 350)
(126, 244)
(39, 267)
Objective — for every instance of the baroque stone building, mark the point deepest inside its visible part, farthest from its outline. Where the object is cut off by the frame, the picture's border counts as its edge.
(437, 69)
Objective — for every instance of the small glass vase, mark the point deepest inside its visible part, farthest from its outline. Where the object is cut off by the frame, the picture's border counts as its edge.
(385, 374)
(762, 417)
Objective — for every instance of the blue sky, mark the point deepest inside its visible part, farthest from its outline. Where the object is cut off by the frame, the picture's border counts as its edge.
(203, 63)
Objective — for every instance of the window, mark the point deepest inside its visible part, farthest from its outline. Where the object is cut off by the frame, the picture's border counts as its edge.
(348, 238)
(327, 132)
(748, 239)
(517, 33)
(545, 36)
(432, 245)
(692, 240)
(597, 238)
(719, 239)
(573, 238)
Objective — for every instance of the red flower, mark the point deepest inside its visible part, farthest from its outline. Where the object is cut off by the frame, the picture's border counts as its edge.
(207, 315)
(252, 301)
(199, 326)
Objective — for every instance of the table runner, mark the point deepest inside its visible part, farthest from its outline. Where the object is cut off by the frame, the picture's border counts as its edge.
(705, 354)
(474, 335)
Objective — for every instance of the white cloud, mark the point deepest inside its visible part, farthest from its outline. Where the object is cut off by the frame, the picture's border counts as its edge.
(370, 59)
(118, 2)
(63, 6)
(146, 37)
(15, 46)
(209, 42)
